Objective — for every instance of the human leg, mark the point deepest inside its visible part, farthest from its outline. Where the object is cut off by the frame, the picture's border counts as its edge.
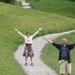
(69, 68)
(31, 61)
(25, 53)
(31, 54)
(69, 73)
(26, 57)
(31, 58)
(63, 68)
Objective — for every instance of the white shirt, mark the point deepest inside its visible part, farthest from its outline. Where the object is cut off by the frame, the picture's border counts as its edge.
(28, 40)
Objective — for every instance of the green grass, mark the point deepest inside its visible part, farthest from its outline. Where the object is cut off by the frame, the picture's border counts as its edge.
(25, 20)
(62, 7)
(18, 4)
(50, 53)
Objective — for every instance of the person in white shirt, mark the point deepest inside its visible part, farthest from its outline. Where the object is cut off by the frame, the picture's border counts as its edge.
(28, 51)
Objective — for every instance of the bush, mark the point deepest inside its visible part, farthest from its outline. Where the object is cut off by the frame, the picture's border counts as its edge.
(72, 0)
(36, 0)
(8, 1)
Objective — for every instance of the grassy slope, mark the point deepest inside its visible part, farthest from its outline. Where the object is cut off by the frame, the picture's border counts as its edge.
(25, 20)
(62, 7)
(50, 56)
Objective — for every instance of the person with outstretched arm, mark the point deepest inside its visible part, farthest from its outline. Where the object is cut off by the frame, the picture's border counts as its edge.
(28, 50)
(64, 55)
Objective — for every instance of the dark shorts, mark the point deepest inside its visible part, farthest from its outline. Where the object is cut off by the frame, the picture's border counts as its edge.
(28, 51)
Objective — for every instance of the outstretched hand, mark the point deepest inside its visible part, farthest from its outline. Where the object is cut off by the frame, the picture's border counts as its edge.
(40, 29)
(16, 29)
(44, 38)
(47, 39)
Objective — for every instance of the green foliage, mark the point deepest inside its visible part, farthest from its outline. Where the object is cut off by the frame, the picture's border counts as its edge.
(50, 53)
(62, 7)
(72, 0)
(18, 3)
(8, 1)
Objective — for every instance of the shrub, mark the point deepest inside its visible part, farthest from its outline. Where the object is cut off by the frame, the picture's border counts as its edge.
(36, 0)
(72, 0)
(8, 1)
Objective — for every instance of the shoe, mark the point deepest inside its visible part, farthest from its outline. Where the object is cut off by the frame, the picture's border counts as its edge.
(31, 64)
(25, 64)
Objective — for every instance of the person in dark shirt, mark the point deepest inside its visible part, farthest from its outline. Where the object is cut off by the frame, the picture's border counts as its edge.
(64, 55)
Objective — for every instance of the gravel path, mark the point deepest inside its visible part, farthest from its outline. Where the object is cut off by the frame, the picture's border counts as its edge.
(39, 67)
(24, 4)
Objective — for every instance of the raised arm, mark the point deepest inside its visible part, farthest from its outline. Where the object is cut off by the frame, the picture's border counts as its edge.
(19, 33)
(47, 39)
(58, 46)
(36, 32)
(71, 46)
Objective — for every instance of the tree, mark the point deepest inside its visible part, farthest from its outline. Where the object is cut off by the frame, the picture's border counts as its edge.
(8, 1)
(72, 0)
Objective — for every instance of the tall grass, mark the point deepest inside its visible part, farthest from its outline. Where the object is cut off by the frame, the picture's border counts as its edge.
(50, 53)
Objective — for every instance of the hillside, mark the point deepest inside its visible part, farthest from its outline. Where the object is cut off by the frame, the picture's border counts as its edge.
(62, 7)
(25, 20)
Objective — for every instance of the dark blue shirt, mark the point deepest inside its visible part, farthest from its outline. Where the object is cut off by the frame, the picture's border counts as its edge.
(64, 53)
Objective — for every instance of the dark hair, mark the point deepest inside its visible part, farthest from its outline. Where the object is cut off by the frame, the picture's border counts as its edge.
(27, 33)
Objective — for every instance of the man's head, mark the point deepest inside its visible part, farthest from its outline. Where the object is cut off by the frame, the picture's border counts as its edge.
(64, 41)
